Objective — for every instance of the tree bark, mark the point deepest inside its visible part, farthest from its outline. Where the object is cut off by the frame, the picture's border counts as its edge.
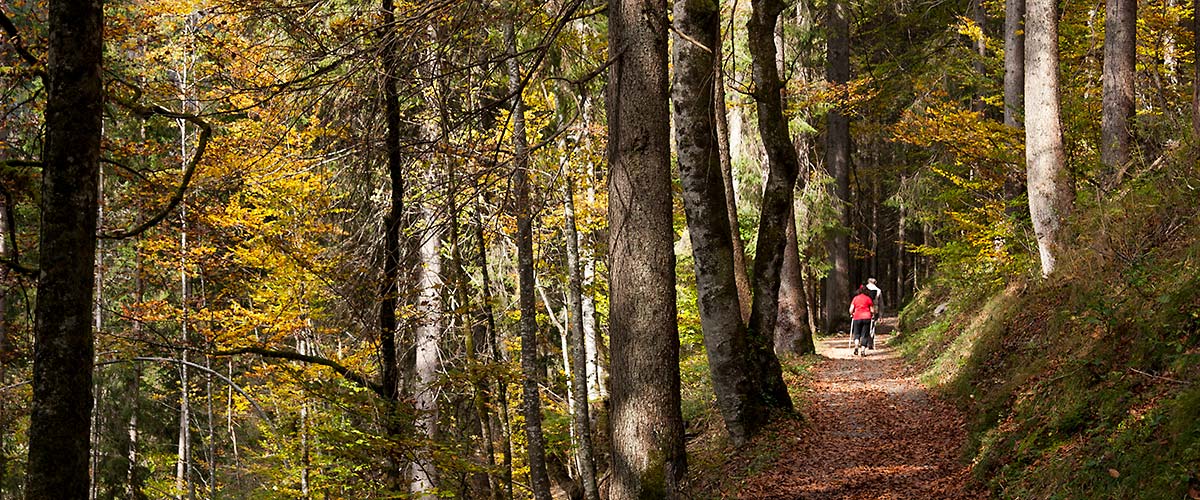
(778, 195)
(59, 425)
(389, 65)
(493, 344)
(741, 274)
(580, 420)
(837, 161)
(423, 474)
(648, 457)
(1120, 60)
(531, 399)
(1014, 91)
(1050, 190)
(697, 24)
(1196, 68)
(792, 333)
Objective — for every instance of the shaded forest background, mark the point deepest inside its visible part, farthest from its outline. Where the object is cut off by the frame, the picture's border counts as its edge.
(364, 250)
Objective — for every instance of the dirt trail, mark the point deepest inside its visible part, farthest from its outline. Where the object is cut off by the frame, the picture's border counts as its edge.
(873, 432)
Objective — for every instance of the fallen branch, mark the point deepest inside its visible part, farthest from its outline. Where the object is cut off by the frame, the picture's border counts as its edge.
(1151, 375)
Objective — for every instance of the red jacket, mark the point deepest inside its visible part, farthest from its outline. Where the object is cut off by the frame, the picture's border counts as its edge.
(862, 306)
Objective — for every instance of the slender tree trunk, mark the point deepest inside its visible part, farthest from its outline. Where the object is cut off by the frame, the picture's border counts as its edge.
(811, 287)
(1120, 65)
(697, 24)
(597, 380)
(389, 292)
(581, 421)
(900, 244)
(59, 425)
(646, 422)
(741, 274)
(423, 475)
(1014, 93)
(1196, 69)
(837, 161)
(475, 332)
(489, 321)
(5, 342)
(531, 404)
(778, 195)
(1050, 190)
(183, 464)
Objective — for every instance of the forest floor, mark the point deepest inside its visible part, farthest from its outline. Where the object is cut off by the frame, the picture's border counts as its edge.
(870, 431)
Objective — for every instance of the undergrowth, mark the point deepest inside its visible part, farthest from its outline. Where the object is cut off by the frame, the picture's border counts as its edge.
(1085, 384)
(716, 468)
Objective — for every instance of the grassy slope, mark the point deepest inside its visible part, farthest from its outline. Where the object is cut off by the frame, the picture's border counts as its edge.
(1086, 385)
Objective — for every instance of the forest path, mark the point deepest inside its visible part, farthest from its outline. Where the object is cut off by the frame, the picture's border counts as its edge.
(872, 432)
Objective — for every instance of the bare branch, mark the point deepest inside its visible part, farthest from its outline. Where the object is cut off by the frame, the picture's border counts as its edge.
(203, 368)
(14, 39)
(189, 169)
(345, 372)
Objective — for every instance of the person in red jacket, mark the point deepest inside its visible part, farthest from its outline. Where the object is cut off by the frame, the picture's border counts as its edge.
(862, 310)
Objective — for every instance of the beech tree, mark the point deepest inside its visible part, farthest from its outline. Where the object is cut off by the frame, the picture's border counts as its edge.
(531, 404)
(1014, 86)
(778, 194)
(60, 424)
(697, 24)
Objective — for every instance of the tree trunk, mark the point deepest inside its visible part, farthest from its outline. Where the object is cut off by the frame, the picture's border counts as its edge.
(389, 65)
(423, 475)
(580, 419)
(837, 161)
(778, 195)
(1050, 190)
(531, 399)
(900, 244)
(1120, 60)
(697, 24)
(741, 274)
(59, 425)
(1014, 62)
(1014, 93)
(792, 333)
(648, 455)
(493, 344)
(474, 327)
(1196, 69)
